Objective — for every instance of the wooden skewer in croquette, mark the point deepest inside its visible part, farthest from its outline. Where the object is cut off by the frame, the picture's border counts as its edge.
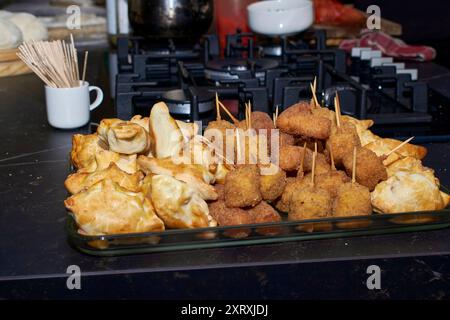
(352, 199)
(370, 168)
(310, 202)
(333, 179)
(300, 121)
(344, 138)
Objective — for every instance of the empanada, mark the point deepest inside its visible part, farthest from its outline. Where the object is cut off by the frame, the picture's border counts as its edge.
(84, 149)
(407, 192)
(124, 137)
(195, 175)
(179, 205)
(79, 181)
(107, 208)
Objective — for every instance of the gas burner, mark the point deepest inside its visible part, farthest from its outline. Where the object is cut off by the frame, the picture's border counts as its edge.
(238, 68)
(179, 102)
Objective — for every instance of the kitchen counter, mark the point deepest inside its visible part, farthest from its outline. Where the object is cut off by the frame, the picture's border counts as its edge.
(35, 253)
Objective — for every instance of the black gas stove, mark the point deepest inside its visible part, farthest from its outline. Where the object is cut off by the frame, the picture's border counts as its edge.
(276, 73)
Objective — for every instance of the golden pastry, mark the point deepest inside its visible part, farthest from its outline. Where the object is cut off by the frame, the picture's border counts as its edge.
(165, 132)
(179, 205)
(84, 149)
(407, 192)
(107, 208)
(124, 136)
(79, 181)
(195, 175)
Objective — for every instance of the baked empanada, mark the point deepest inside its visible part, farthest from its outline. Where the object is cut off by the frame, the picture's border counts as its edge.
(124, 136)
(195, 175)
(408, 192)
(125, 162)
(79, 181)
(179, 205)
(107, 208)
(165, 132)
(84, 149)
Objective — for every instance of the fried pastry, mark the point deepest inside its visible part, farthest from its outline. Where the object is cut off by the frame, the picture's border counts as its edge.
(84, 149)
(408, 192)
(178, 204)
(165, 133)
(410, 164)
(195, 175)
(125, 162)
(124, 137)
(107, 208)
(80, 181)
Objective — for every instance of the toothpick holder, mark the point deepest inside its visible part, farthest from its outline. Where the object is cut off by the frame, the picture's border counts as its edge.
(69, 108)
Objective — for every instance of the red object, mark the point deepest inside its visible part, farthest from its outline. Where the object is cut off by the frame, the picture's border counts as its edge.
(389, 46)
(230, 16)
(334, 13)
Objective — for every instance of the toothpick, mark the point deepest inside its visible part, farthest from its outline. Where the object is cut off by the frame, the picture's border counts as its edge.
(238, 145)
(354, 166)
(333, 167)
(275, 117)
(399, 146)
(236, 121)
(338, 110)
(218, 117)
(249, 115)
(85, 65)
(316, 103)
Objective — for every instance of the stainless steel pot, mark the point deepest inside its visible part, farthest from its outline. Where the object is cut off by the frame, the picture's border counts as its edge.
(176, 19)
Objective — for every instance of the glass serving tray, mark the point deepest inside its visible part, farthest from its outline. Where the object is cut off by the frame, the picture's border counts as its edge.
(214, 237)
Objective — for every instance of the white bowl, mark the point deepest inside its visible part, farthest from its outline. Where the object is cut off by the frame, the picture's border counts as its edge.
(280, 17)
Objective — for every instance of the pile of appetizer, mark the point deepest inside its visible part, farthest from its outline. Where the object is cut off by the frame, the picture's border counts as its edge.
(155, 173)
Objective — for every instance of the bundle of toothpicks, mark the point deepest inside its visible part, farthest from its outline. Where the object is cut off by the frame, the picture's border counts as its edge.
(55, 62)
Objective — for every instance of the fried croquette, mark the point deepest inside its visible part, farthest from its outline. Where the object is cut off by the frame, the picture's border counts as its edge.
(264, 213)
(331, 181)
(220, 189)
(261, 120)
(326, 113)
(292, 185)
(272, 185)
(226, 216)
(369, 167)
(322, 165)
(286, 139)
(342, 141)
(242, 187)
(352, 199)
(300, 107)
(310, 203)
(305, 124)
(217, 130)
(290, 157)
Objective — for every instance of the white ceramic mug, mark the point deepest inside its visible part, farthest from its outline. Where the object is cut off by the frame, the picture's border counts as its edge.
(69, 108)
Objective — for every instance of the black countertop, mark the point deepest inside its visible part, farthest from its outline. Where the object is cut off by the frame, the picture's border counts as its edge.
(35, 253)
